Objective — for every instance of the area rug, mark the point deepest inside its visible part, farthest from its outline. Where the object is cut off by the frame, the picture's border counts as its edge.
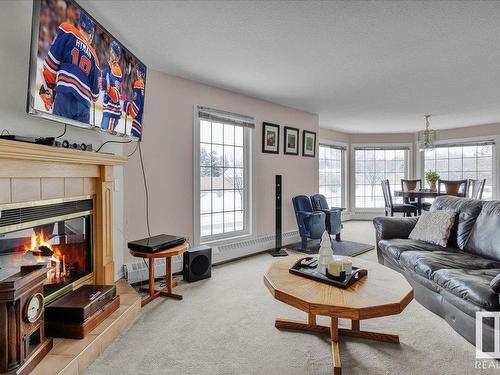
(346, 248)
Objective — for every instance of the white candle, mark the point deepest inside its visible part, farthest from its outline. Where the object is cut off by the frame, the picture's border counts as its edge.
(335, 267)
(347, 266)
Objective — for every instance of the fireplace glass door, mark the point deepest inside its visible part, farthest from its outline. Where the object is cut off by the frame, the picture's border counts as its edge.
(63, 246)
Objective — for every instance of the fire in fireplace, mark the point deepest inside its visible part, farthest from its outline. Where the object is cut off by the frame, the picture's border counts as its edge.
(64, 246)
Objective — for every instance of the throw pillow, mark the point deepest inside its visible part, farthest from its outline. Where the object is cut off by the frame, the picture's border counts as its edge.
(434, 227)
(495, 284)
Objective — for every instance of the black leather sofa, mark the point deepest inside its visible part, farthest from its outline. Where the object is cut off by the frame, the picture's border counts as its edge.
(452, 281)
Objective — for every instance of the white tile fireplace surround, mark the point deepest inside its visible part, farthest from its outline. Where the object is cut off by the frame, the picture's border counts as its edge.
(35, 173)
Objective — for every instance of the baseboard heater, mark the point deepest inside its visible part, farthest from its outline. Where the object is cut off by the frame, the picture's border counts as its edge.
(138, 271)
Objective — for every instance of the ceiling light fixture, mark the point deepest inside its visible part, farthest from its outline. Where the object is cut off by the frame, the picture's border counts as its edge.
(427, 138)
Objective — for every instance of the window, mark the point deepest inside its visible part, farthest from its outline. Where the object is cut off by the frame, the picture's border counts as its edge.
(224, 166)
(461, 161)
(371, 166)
(331, 174)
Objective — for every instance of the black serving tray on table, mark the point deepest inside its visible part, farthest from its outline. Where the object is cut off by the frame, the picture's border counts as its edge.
(306, 267)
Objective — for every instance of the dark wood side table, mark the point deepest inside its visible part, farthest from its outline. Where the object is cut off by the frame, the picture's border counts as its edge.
(167, 254)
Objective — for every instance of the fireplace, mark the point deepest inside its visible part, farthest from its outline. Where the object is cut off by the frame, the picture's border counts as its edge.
(56, 233)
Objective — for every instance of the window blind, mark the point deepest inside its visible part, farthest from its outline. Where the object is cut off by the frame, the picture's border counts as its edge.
(370, 148)
(465, 144)
(336, 147)
(216, 115)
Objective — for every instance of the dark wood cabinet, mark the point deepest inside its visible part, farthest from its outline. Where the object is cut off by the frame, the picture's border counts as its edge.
(22, 333)
(78, 312)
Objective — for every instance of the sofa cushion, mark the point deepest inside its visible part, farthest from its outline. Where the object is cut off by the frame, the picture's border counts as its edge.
(468, 211)
(484, 239)
(434, 227)
(425, 263)
(471, 285)
(393, 248)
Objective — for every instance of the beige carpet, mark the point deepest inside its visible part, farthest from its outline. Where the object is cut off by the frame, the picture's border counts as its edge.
(225, 325)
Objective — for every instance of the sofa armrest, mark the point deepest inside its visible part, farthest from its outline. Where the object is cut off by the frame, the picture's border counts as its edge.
(393, 227)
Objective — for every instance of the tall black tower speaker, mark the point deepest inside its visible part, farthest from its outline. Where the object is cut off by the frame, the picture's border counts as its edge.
(278, 251)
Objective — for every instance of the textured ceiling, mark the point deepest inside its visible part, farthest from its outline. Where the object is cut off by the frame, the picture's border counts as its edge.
(362, 66)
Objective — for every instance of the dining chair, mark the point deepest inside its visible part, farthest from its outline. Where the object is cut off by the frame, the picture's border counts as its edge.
(456, 188)
(390, 208)
(475, 189)
(410, 185)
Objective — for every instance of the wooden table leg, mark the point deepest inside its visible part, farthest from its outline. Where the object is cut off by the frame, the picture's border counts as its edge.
(168, 274)
(151, 277)
(169, 281)
(419, 206)
(334, 335)
(297, 325)
(334, 331)
(355, 331)
(311, 319)
(355, 325)
(312, 326)
(151, 287)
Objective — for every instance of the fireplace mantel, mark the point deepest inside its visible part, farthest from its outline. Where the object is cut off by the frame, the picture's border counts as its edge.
(29, 151)
(30, 172)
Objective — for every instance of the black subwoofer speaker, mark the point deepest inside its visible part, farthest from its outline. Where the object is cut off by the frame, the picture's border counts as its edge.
(198, 263)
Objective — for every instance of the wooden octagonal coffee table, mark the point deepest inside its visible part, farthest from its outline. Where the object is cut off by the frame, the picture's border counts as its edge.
(382, 292)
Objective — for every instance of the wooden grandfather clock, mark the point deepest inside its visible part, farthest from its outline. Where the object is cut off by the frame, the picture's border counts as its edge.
(22, 335)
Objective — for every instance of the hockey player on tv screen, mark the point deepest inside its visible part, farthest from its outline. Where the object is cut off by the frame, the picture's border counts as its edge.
(135, 107)
(71, 71)
(111, 85)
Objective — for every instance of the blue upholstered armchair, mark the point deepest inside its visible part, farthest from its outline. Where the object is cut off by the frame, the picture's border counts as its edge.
(333, 215)
(311, 223)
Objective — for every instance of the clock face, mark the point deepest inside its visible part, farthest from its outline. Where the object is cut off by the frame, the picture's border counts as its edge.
(34, 308)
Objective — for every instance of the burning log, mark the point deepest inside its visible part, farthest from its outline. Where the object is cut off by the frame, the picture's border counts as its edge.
(43, 251)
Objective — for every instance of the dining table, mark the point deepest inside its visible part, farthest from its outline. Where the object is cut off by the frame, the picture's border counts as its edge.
(418, 195)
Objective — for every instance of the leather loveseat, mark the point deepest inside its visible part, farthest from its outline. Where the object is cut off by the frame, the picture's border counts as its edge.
(452, 281)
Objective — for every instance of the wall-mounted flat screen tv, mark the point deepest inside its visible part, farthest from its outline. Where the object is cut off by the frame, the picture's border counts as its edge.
(80, 74)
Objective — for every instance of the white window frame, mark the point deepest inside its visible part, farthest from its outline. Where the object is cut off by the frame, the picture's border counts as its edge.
(249, 204)
(408, 172)
(420, 167)
(345, 165)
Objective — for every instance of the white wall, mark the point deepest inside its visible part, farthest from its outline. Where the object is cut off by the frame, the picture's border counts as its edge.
(15, 37)
(168, 156)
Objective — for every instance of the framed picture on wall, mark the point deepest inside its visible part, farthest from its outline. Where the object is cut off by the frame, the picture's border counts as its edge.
(308, 144)
(270, 138)
(291, 141)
